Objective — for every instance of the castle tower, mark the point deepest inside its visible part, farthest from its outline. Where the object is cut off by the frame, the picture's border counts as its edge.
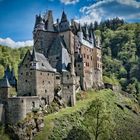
(41, 24)
(64, 23)
(49, 22)
(4, 89)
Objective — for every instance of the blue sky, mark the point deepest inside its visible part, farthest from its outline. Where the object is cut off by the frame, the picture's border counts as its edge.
(17, 17)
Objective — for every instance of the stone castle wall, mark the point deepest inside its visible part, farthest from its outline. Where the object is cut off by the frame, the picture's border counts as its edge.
(45, 85)
(68, 88)
(18, 107)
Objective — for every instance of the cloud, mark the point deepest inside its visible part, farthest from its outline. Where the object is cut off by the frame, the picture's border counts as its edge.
(11, 43)
(66, 2)
(105, 9)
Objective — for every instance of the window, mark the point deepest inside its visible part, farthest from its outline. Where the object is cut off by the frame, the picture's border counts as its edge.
(33, 104)
(27, 73)
(57, 77)
(49, 82)
(48, 74)
(91, 57)
(45, 90)
(57, 57)
(43, 82)
(26, 81)
(40, 73)
(68, 76)
(84, 55)
(26, 65)
(42, 64)
(78, 65)
(87, 56)
(68, 87)
(21, 73)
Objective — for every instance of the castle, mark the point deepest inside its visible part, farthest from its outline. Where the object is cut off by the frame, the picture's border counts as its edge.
(65, 58)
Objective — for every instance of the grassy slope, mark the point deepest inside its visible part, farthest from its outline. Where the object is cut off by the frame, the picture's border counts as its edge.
(127, 122)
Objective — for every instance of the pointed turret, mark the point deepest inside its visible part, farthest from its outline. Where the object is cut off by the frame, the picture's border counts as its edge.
(49, 21)
(64, 23)
(80, 33)
(91, 37)
(64, 17)
(34, 57)
(39, 24)
(5, 83)
(86, 32)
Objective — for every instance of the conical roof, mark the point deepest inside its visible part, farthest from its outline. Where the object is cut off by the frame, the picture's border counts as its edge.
(5, 83)
(64, 17)
(34, 57)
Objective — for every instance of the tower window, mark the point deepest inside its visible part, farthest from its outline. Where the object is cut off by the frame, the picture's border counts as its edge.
(33, 104)
(91, 57)
(84, 55)
(45, 90)
(26, 81)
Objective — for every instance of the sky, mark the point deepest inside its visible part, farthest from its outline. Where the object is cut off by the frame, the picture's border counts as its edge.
(17, 17)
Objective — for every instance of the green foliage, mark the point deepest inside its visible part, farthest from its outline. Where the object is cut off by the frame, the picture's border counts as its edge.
(12, 57)
(121, 53)
(3, 136)
(80, 122)
(98, 120)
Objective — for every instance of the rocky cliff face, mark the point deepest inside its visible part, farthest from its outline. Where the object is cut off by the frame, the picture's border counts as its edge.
(28, 128)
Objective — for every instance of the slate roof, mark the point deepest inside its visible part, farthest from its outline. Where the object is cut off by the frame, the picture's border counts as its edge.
(59, 48)
(42, 62)
(4, 83)
(64, 17)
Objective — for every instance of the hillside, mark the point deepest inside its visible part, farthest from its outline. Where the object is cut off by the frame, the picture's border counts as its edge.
(99, 115)
(118, 119)
(121, 54)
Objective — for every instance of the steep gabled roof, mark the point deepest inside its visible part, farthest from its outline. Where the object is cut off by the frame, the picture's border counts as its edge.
(43, 64)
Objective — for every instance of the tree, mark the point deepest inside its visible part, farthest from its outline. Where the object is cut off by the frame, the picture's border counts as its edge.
(98, 120)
